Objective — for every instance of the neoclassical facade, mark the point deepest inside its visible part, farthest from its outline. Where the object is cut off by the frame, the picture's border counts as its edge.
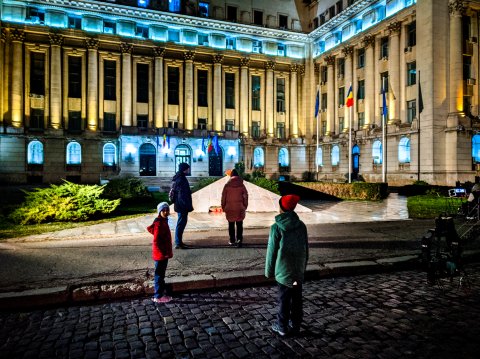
(97, 89)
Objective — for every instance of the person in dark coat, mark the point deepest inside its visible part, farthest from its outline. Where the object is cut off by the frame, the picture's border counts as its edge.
(234, 204)
(161, 251)
(181, 196)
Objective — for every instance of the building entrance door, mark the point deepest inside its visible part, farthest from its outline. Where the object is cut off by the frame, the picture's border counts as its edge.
(148, 160)
(355, 161)
(215, 163)
(183, 154)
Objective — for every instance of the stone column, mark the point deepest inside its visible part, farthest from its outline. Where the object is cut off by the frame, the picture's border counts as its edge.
(3, 37)
(92, 84)
(188, 121)
(158, 120)
(244, 92)
(126, 50)
(17, 36)
(368, 43)
(217, 92)
(269, 115)
(394, 72)
(330, 95)
(348, 52)
(456, 9)
(56, 42)
(293, 111)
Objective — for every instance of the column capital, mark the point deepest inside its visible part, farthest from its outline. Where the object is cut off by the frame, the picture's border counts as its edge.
(294, 67)
(159, 51)
(301, 70)
(347, 51)
(126, 48)
(17, 35)
(3, 35)
(456, 7)
(56, 39)
(270, 65)
(188, 55)
(91, 43)
(330, 60)
(316, 67)
(217, 58)
(368, 40)
(394, 28)
(244, 61)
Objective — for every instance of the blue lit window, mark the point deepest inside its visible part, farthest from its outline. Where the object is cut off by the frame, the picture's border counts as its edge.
(404, 150)
(335, 155)
(319, 157)
(377, 152)
(174, 5)
(174, 35)
(74, 153)
(109, 154)
(476, 148)
(258, 157)
(230, 43)
(281, 50)
(283, 159)
(143, 3)
(203, 9)
(35, 153)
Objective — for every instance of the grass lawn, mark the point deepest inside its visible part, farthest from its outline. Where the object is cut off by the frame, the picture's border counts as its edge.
(431, 206)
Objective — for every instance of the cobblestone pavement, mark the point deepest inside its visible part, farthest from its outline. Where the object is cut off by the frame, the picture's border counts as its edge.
(394, 315)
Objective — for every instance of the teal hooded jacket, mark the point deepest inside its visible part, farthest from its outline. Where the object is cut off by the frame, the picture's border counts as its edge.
(287, 251)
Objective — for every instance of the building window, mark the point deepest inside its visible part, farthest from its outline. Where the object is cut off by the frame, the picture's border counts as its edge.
(258, 157)
(142, 122)
(141, 31)
(339, 6)
(411, 73)
(109, 27)
(203, 9)
(255, 129)
(109, 122)
(258, 17)
(174, 5)
(37, 73)
(230, 125)
(323, 74)
(37, 121)
(74, 121)
(377, 152)
(341, 67)
(360, 58)
(412, 34)
(256, 93)
(335, 155)
(74, 22)
(411, 110)
(322, 19)
(230, 43)
(110, 80)
(341, 124)
(361, 90)
(35, 153)
(384, 81)
(231, 13)
(315, 22)
(361, 120)
(173, 83)
(202, 87)
(331, 12)
(74, 76)
(404, 150)
(281, 50)
(172, 124)
(202, 124)
(283, 160)
(280, 95)
(319, 157)
(283, 22)
(280, 130)
(229, 90)
(173, 35)
(142, 83)
(74, 153)
(384, 48)
(341, 96)
(109, 155)
(476, 148)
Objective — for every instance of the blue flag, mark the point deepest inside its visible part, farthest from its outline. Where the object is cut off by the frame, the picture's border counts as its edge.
(384, 104)
(216, 147)
(317, 103)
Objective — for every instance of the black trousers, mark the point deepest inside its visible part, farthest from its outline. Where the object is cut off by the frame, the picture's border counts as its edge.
(231, 231)
(290, 304)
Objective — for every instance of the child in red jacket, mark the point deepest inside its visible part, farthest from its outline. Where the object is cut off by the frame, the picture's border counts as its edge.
(161, 251)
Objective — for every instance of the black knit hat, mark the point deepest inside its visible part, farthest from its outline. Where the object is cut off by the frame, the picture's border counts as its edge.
(183, 166)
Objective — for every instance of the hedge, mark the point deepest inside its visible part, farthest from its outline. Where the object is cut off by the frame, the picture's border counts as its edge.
(355, 190)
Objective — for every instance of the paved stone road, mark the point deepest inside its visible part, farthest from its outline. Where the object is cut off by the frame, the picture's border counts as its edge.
(393, 315)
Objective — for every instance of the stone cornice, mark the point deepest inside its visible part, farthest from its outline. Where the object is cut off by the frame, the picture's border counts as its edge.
(92, 43)
(56, 39)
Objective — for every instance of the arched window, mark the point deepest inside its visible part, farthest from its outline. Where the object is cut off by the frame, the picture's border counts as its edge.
(35, 153)
(74, 153)
(319, 157)
(404, 150)
(109, 154)
(258, 157)
(335, 155)
(476, 148)
(283, 160)
(377, 152)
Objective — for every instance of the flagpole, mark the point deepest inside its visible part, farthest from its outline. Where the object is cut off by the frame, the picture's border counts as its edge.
(316, 152)
(350, 142)
(418, 145)
(384, 142)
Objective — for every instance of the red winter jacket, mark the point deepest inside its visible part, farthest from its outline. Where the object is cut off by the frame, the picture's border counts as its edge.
(162, 239)
(234, 199)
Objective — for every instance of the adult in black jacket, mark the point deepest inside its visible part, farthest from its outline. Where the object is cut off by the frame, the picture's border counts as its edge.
(181, 196)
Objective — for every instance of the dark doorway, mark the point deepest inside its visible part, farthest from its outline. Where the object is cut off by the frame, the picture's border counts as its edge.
(183, 154)
(148, 160)
(355, 162)
(215, 163)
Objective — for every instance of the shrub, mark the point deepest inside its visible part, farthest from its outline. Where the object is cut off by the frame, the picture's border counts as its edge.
(240, 167)
(267, 184)
(308, 176)
(355, 190)
(62, 203)
(204, 182)
(258, 174)
(127, 187)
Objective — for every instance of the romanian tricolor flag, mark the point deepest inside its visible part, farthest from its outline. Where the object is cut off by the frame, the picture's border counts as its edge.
(209, 145)
(349, 101)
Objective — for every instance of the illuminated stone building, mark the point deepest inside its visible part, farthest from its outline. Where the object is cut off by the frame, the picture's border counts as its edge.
(96, 89)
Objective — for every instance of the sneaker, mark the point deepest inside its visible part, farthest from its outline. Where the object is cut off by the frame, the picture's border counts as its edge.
(180, 246)
(238, 243)
(164, 299)
(276, 328)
